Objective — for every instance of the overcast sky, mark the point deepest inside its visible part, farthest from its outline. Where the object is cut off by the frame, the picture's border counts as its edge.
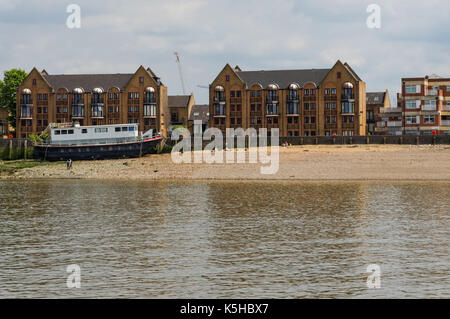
(118, 36)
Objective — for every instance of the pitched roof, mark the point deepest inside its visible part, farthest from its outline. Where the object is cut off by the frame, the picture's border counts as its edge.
(178, 100)
(282, 77)
(200, 112)
(88, 81)
(375, 97)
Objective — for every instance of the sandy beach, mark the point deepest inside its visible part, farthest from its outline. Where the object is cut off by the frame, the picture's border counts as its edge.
(318, 162)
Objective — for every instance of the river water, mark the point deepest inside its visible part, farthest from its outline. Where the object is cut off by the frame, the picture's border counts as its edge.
(224, 239)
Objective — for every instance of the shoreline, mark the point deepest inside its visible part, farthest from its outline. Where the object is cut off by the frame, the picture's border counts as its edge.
(297, 163)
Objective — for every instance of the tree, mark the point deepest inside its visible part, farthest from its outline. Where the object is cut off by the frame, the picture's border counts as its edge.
(8, 91)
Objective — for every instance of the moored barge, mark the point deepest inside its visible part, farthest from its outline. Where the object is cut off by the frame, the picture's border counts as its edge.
(75, 142)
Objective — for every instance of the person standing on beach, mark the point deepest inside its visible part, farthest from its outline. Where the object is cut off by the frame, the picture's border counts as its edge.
(67, 164)
(70, 163)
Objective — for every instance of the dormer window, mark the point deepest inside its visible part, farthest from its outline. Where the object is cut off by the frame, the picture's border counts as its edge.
(149, 95)
(219, 93)
(293, 92)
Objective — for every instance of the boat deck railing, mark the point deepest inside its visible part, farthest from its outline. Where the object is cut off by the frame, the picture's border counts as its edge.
(90, 142)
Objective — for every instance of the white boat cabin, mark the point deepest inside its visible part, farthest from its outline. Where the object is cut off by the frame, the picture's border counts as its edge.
(64, 134)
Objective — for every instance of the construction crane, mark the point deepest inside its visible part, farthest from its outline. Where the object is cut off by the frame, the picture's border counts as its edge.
(181, 73)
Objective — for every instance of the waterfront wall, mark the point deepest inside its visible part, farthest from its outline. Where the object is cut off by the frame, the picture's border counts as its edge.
(16, 148)
(347, 140)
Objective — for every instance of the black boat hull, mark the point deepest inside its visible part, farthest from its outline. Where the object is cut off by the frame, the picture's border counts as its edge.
(95, 152)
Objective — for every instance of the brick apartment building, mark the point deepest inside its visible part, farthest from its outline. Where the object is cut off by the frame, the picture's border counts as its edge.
(425, 103)
(180, 107)
(92, 99)
(298, 102)
(375, 101)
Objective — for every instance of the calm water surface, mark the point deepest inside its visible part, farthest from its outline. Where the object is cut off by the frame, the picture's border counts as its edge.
(224, 239)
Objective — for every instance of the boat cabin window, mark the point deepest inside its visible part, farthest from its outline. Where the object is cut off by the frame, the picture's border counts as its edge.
(101, 130)
(64, 132)
(57, 132)
(131, 128)
(84, 131)
(117, 129)
(124, 129)
(70, 131)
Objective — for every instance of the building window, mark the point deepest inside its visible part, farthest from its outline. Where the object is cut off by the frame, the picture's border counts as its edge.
(347, 107)
(339, 75)
(411, 119)
(34, 81)
(327, 91)
(141, 80)
(227, 78)
(428, 119)
(174, 117)
(412, 104)
(306, 92)
(411, 89)
(333, 91)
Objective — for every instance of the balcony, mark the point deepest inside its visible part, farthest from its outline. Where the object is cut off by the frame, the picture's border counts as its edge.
(445, 123)
(293, 99)
(348, 97)
(78, 111)
(432, 92)
(149, 101)
(97, 112)
(26, 111)
(149, 110)
(272, 99)
(426, 107)
(219, 100)
(445, 108)
(394, 123)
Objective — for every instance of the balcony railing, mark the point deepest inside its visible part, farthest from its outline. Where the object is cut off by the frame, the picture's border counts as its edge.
(219, 99)
(97, 112)
(432, 92)
(272, 99)
(149, 101)
(426, 107)
(445, 108)
(445, 122)
(346, 97)
(394, 123)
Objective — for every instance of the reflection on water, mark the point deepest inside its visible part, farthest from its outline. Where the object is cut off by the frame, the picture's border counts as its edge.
(224, 239)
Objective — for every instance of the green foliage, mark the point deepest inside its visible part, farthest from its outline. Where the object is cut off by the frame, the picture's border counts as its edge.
(38, 138)
(163, 148)
(8, 91)
(10, 167)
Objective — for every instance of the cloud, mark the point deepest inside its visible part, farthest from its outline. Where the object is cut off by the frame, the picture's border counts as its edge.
(119, 36)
